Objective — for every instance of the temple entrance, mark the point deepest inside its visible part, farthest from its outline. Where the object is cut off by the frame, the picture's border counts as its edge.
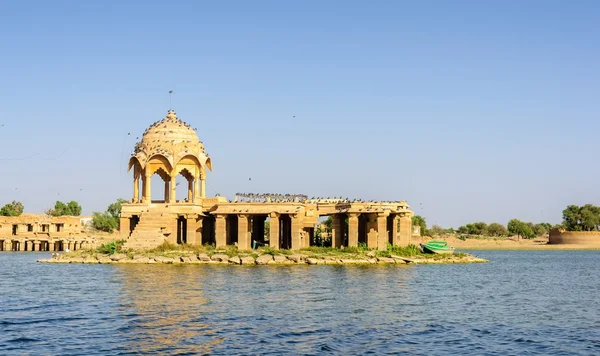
(181, 230)
(133, 221)
(258, 230)
(14, 229)
(232, 229)
(390, 229)
(16, 246)
(58, 246)
(285, 232)
(362, 229)
(208, 230)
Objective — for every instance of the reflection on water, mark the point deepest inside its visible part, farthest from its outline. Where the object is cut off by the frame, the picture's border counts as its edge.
(165, 306)
(519, 303)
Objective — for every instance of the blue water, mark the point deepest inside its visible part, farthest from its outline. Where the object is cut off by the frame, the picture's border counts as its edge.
(522, 302)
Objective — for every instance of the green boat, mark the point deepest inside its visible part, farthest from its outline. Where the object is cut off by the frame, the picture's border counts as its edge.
(437, 246)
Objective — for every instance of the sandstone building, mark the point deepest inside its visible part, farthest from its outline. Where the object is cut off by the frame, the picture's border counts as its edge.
(40, 232)
(170, 147)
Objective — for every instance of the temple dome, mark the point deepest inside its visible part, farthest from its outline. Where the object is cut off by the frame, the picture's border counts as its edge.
(171, 139)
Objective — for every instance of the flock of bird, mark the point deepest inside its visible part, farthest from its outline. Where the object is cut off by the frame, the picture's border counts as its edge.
(278, 198)
(274, 197)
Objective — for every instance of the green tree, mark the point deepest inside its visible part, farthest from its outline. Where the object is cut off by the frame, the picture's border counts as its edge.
(15, 208)
(572, 218)
(420, 221)
(104, 221)
(114, 209)
(540, 229)
(72, 208)
(584, 218)
(478, 228)
(463, 229)
(520, 228)
(437, 230)
(110, 219)
(497, 230)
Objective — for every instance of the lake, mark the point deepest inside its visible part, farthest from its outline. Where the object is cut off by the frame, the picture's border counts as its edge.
(522, 302)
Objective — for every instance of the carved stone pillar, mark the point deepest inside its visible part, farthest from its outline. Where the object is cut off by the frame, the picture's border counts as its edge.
(124, 226)
(190, 194)
(221, 230)
(336, 233)
(196, 189)
(173, 196)
(372, 230)
(405, 233)
(296, 231)
(136, 188)
(353, 229)
(274, 231)
(147, 188)
(382, 233)
(203, 188)
(395, 223)
(199, 227)
(243, 232)
(167, 191)
(192, 230)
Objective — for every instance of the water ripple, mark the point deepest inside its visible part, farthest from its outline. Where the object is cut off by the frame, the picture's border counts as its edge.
(535, 303)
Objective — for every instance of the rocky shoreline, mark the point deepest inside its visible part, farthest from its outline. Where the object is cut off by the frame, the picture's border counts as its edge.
(263, 259)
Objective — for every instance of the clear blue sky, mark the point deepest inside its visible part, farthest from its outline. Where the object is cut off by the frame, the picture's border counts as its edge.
(469, 110)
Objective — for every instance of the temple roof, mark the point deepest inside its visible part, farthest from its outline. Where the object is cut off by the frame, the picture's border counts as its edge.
(172, 139)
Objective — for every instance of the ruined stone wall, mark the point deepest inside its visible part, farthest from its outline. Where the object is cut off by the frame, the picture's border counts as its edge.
(574, 237)
(30, 225)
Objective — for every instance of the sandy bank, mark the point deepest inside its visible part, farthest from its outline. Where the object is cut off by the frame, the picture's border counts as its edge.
(508, 244)
(264, 259)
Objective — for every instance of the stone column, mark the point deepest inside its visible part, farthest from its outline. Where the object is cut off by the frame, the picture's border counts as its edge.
(35, 245)
(199, 227)
(243, 233)
(274, 231)
(405, 233)
(203, 188)
(147, 188)
(190, 194)
(51, 245)
(221, 230)
(395, 241)
(296, 231)
(382, 233)
(21, 246)
(353, 229)
(192, 230)
(173, 196)
(337, 231)
(196, 189)
(124, 226)
(136, 189)
(372, 230)
(167, 192)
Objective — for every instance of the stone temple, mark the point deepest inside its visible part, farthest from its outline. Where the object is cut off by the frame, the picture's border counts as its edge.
(170, 147)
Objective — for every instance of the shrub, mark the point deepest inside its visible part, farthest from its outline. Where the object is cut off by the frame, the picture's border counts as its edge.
(104, 222)
(112, 247)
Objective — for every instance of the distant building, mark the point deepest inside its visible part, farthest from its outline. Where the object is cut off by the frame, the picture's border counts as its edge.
(40, 232)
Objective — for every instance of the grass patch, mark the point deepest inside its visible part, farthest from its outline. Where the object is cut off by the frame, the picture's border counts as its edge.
(112, 247)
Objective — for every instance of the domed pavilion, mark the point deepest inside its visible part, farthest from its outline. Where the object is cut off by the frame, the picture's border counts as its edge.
(170, 147)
